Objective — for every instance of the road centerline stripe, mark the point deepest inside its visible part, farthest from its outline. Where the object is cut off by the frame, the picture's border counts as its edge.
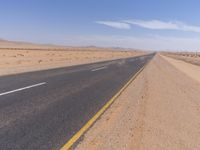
(23, 88)
(101, 68)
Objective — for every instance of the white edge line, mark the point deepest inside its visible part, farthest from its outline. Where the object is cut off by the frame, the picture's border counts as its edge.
(24, 88)
(98, 69)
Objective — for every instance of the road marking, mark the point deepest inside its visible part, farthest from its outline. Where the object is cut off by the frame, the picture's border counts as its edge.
(99, 68)
(24, 88)
(77, 135)
(133, 59)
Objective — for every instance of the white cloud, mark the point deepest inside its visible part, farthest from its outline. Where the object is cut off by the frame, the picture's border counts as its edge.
(152, 42)
(154, 24)
(117, 25)
(161, 25)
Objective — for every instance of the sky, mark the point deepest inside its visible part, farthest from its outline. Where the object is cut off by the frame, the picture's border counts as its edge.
(139, 24)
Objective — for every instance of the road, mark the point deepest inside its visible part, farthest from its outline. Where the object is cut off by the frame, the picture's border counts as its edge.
(44, 109)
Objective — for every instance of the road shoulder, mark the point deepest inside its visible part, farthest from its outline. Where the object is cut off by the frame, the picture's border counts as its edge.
(191, 70)
(157, 111)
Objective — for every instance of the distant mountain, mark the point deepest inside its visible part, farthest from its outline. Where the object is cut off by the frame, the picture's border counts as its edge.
(27, 45)
(19, 44)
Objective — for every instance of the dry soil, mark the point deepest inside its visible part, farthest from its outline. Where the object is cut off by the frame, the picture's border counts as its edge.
(159, 110)
(17, 61)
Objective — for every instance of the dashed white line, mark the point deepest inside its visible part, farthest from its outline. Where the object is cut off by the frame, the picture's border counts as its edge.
(99, 68)
(24, 88)
(133, 60)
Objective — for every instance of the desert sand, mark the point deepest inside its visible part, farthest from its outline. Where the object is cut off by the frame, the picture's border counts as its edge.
(159, 110)
(191, 70)
(16, 61)
(18, 57)
(190, 57)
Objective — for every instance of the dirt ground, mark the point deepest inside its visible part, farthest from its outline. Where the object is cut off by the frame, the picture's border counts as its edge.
(16, 61)
(193, 58)
(159, 110)
(191, 70)
(17, 57)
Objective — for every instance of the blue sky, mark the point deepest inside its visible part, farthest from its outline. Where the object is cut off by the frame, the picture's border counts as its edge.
(144, 24)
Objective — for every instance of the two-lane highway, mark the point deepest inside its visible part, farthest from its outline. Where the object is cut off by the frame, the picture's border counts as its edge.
(44, 109)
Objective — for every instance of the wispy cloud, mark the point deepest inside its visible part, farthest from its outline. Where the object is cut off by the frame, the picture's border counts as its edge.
(152, 42)
(113, 24)
(152, 24)
(162, 25)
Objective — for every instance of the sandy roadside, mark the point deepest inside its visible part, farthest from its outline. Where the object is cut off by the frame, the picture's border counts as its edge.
(191, 70)
(17, 61)
(189, 58)
(159, 110)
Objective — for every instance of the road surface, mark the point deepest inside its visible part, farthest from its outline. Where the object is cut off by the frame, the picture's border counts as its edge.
(42, 110)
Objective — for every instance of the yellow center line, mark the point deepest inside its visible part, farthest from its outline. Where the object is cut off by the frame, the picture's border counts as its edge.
(77, 135)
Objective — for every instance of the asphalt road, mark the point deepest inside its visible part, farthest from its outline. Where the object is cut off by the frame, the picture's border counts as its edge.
(42, 110)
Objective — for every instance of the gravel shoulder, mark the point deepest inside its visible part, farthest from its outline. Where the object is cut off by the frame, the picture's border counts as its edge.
(159, 110)
(192, 58)
(189, 69)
